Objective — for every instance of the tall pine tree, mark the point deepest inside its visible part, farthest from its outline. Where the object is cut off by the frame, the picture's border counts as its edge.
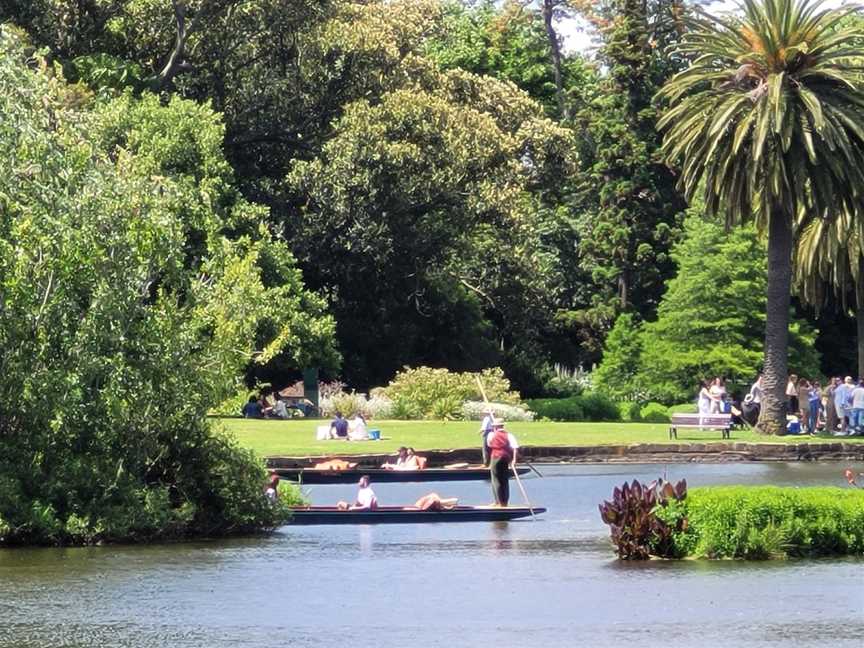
(630, 209)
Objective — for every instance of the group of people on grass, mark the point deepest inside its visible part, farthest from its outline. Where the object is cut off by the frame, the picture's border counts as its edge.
(272, 406)
(836, 408)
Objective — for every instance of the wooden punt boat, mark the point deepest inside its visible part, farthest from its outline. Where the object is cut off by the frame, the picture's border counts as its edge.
(382, 476)
(409, 515)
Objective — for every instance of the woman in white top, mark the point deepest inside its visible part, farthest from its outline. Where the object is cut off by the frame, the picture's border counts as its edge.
(704, 399)
(357, 430)
(717, 392)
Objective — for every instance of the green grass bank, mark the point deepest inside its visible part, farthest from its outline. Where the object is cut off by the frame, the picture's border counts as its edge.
(297, 437)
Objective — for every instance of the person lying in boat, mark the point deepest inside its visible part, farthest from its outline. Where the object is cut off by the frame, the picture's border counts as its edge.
(434, 502)
(366, 499)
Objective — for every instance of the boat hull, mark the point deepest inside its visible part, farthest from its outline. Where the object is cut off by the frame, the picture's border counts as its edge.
(381, 476)
(400, 515)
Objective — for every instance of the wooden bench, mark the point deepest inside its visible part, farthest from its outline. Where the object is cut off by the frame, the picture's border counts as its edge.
(722, 422)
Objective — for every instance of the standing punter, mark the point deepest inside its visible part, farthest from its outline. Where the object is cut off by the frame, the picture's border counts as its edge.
(503, 448)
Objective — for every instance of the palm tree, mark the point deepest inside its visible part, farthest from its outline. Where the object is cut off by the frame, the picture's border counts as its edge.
(768, 123)
(830, 255)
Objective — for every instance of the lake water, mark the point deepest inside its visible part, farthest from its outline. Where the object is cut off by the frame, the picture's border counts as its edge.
(549, 583)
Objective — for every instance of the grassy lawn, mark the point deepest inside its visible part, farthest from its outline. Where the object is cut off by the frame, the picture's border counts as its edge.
(298, 437)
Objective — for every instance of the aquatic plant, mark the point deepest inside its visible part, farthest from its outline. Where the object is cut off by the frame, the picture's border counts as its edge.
(636, 530)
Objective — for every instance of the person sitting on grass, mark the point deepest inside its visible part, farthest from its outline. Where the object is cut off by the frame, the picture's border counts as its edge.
(357, 430)
(339, 427)
(252, 409)
(365, 500)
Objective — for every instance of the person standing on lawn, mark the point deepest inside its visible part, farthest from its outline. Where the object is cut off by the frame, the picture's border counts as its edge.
(843, 402)
(503, 448)
(856, 418)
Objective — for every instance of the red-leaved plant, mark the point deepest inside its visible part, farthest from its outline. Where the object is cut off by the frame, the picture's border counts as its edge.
(636, 530)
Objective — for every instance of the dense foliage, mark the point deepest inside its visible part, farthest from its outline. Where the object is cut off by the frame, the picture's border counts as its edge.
(136, 283)
(766, 124)
(709, 322)
(760, 522)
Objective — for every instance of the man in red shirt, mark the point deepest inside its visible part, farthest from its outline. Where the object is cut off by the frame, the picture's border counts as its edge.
(502, 452)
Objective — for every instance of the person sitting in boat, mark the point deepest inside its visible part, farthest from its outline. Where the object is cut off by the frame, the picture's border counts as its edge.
(414, 461)
(503, 448)
(366, 499)
(434, 502)
(339, 427)
(400, 460)
(271, 490)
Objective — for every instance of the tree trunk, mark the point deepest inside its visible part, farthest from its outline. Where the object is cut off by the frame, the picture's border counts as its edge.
(859, 315)
(772, 419)
(555, 51)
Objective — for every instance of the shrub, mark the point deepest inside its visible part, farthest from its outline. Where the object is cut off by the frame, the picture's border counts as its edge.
(374, 407)
(476, 410)
(598, 407)
(630, 411)
(654, 413)
(683, 408)
(636, 530)
(564, 381)
(558, 409)
(424, 392)
(771, 522)
(587, 407)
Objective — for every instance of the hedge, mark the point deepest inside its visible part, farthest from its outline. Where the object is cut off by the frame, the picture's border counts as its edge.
(769, 522)
(585, 407)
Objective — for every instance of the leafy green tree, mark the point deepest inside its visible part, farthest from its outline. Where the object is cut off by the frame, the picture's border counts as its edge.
(709, 321)
(616, 376)
(509, 43)
(418, 211)
(126, 312)
(766, 123)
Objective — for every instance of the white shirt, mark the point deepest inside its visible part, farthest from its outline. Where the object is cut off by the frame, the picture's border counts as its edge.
(756, 392)
(486, 424)
(858, 398)
(841, 395)
(366, 497)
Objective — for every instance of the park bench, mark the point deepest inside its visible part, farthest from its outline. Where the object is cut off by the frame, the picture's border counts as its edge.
(722, 422)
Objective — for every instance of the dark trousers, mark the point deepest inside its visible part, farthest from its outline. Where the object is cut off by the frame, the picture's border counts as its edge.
(500, 471)
(485, 448)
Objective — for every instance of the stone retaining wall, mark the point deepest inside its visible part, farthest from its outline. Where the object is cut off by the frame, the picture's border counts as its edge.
(713, 452)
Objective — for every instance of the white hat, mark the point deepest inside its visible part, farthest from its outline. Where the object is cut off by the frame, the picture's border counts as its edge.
(497, 422)
(848, 380)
